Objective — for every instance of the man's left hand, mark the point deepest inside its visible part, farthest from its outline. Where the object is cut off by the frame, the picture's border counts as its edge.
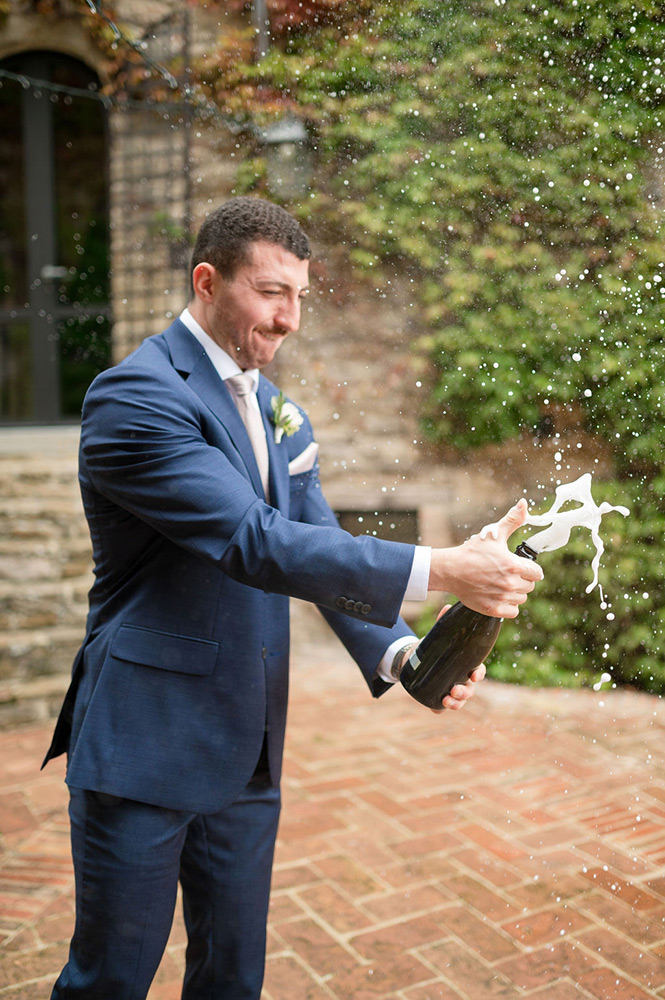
(461, 692)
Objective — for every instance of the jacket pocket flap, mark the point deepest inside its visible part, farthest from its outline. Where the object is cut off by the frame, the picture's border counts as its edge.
(164, 650)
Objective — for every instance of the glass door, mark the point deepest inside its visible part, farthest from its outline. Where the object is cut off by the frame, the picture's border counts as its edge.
(54, 238)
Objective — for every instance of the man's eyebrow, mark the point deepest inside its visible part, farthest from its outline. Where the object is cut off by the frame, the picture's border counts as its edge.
(265, 280)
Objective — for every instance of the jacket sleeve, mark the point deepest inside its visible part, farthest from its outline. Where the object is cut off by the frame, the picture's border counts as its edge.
(365, 641)
(144, 450)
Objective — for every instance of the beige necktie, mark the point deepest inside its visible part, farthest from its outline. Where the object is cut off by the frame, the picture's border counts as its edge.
(242, 387)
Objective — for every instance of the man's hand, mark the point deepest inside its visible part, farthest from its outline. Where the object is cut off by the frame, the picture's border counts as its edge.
(461, 693)
(483, 573)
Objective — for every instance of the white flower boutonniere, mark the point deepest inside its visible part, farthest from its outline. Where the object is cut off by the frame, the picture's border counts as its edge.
(286, 417)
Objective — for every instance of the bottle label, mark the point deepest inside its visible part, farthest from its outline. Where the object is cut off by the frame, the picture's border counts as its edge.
(414, 660)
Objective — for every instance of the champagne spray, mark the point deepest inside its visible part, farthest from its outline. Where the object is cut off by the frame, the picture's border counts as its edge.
(461, 639)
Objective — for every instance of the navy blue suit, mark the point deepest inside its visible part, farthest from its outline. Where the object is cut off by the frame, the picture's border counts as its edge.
(179, 692)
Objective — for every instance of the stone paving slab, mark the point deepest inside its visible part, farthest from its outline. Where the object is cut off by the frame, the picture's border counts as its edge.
(515, 849)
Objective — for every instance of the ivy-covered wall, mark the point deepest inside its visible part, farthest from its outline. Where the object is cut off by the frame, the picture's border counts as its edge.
(508, 158)
(504, 162)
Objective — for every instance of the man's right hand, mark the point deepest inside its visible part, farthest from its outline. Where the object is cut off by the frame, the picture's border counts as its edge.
(483, 573)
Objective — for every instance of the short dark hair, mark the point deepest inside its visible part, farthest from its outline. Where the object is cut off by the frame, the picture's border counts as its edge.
(225, 238)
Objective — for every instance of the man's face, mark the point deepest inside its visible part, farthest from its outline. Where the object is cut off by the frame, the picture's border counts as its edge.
(252, 313)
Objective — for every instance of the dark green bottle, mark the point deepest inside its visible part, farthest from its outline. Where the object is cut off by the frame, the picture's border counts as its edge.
(452, 649)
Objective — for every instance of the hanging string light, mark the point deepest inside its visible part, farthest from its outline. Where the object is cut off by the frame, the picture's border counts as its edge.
(135, 46)
(32, 83)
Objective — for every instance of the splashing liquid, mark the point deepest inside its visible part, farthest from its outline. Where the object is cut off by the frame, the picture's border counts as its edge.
(561, 523)
(462, 638)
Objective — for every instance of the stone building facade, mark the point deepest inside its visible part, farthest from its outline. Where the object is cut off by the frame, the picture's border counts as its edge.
(350, 366)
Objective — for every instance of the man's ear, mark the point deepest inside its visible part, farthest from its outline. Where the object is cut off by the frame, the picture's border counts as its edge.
(204, 281)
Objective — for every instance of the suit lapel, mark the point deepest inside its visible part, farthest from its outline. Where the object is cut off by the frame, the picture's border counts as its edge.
(193, 363)
(277, 453)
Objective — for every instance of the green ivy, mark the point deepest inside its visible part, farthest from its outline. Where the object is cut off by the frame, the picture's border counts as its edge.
(508, 156)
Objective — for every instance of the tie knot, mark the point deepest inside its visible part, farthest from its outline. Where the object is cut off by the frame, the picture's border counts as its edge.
(242, 384)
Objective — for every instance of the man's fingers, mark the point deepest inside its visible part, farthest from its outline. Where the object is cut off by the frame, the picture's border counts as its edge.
(510, 606)
(479, 673)
(461, 693)
(457, 698)
(511, 521)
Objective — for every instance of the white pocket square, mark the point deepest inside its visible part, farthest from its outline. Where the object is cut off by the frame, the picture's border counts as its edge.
(305, 460)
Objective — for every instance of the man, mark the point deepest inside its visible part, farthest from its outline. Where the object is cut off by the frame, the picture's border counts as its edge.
(202, 494)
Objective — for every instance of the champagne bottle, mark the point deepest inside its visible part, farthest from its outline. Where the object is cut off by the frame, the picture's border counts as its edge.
(452, 649)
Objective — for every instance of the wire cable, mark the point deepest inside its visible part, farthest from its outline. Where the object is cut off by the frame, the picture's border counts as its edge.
(136, 46)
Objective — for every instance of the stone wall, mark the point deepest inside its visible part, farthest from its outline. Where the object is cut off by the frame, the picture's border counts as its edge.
(45, 569)
(167, 167)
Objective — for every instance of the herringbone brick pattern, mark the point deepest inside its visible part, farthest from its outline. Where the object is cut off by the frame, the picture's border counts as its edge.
(515, 849)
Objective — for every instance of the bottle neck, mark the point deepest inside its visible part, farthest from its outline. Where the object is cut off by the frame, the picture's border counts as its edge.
(526, 551)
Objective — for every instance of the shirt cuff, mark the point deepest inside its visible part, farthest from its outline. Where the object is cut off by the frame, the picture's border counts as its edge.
(386, 661)
(416, 588)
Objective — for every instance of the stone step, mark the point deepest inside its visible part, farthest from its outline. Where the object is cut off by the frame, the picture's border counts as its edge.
(40, 464)
(29, 654)
(32, 701)
(48, 590)
(45, 542)
(14, 490)
(44, 545)
(43, 606)
(51, 474)
(62, 508)
(60, 440)
(24, 568)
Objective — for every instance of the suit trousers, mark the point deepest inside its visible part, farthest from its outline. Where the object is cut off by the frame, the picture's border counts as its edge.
(128, 857)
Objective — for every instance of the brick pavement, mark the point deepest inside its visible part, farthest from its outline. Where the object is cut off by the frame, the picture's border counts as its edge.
(515, 849)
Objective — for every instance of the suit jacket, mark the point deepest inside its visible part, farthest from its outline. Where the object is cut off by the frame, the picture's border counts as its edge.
(184, 665)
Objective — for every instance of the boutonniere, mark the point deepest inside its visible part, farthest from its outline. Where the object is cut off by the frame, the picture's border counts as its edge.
(286, 417)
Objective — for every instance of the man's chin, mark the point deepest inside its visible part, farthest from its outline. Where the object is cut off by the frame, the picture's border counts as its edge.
(267, 352)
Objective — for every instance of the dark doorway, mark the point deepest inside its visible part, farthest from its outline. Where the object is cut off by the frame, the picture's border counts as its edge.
(54, 238)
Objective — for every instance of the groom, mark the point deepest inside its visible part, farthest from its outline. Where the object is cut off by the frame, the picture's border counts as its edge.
(201, 490)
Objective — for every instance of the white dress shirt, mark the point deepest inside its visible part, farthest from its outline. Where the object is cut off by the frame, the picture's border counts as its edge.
(416, 588)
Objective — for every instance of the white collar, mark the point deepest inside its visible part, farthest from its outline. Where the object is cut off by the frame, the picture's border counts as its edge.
(223, 363)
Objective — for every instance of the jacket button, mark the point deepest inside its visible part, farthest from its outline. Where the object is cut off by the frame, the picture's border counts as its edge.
(341, 602)
(358, 606)
(350, 605)
(366, 608)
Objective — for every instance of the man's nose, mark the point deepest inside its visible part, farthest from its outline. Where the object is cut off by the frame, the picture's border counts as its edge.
(288, 315)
